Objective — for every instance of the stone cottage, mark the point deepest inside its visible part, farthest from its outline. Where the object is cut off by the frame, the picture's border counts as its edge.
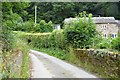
(108, 26)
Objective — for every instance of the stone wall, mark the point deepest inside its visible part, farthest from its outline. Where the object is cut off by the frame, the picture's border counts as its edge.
(107, 62)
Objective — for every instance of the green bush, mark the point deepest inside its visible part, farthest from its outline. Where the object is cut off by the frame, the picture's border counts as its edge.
(28, 26)
(37, 28)
(81, 32)
(50, 26)
(13, 22)
(46, 27)
(109, 43)
(57, 39)
(105, 43)
(115, 44)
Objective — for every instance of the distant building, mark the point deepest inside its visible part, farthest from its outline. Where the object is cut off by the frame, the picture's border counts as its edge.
(108, 26)
(57, 26)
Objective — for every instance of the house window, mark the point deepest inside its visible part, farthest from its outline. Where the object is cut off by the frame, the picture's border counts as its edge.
(105, 35)
(114, 35)
(104, 27)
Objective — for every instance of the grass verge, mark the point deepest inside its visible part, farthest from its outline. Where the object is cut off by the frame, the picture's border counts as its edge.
(14, 66)
(24, 48)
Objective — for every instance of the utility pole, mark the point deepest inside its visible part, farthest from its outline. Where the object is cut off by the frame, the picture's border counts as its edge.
(35, 14)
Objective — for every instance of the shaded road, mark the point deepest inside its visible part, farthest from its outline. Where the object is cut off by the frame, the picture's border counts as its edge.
(46, 66)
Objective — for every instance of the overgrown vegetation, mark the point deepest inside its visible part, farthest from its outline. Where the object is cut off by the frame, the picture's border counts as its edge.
(21, 45)
(112, 44)
(29, 26)
(58, 43)
(11, 66)
(115, 44)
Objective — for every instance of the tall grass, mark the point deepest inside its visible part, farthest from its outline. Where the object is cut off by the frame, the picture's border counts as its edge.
(21, 44)
(11, 68)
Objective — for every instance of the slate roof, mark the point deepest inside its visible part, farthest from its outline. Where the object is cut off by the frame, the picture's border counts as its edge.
(104, 19)
(95, 19)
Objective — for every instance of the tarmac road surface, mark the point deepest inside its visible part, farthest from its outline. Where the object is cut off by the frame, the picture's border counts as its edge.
(46, 66)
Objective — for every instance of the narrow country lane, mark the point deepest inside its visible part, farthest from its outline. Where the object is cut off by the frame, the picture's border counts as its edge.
(45, 66)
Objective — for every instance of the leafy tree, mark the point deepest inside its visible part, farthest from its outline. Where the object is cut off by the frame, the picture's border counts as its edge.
(46, 27)
(50, 26)
(8, 8)
(13, 22)
(81, 32)
(28, 26)
(13, 14)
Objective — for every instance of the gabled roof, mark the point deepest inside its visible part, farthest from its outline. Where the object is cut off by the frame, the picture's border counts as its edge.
(104, 19)
(95, 19)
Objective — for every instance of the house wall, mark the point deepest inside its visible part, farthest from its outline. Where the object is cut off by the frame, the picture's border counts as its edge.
(57, 26)
(119, 28)
(107, 29)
